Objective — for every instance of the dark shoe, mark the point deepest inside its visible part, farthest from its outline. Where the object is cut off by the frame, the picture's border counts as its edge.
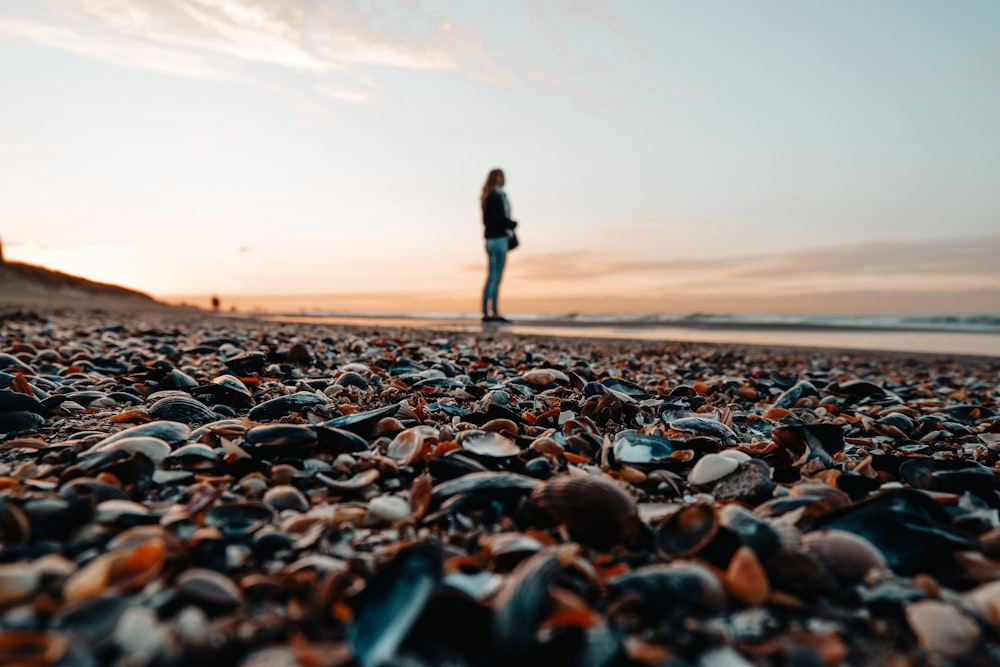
(501, 320)
(489, 318)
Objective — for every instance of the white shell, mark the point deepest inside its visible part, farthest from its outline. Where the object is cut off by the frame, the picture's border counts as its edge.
(710, 468)
(388, 508)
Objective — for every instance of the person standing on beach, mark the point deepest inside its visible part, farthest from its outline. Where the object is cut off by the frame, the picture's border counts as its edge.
(496, 220)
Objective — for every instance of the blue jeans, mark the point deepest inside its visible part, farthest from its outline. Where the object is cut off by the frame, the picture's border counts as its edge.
(496, 250)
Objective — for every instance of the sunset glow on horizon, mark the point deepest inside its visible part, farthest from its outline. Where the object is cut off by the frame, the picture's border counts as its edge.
(665, 157)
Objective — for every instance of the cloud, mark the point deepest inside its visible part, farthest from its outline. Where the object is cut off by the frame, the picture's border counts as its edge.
(948, 263)
(337, 46)
(948, 257)
(332, 45)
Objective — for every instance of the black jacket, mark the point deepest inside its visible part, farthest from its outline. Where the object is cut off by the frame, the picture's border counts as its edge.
(495, 217)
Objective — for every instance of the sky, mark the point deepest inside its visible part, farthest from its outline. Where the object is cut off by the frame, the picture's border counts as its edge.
(775, 156)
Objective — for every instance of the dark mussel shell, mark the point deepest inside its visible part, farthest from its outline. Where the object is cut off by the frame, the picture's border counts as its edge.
(13, 401)
(362, 423)
(391, 603)
(270, 439)
(857, 390)
(523, 600)
(276, 408)
(493, 484)
(798, 391)
(225, 389)
(182, 409)
(15, 422)
(670, 591)
(339, 441)
(596, 511)
(814, 441)
(913, 532)
(239, 519)
(952, 476)
(690, 427)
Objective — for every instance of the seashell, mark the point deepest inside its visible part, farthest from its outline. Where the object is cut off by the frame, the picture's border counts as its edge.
(210, 590)
(286, 497)
(155, 449)
(16, 422)
(193, 457)
(624, 387)
(790, 397)
(811, 441)
(282, 437)
(13, 401)
(351, 379)
(89, 487)
(688, 530)
(359, 481)
(745, 578)
(489, 483)
(239, 519)
(362, 423)
(32, 647)
(510, 545)
(505, 426)
(846, 555)
(631, 448)
(984, 602)
(913, 532)
(181, 408)
(337, 440)
(392, 602)
(171, 432)
(487, 443)
(299, 354)
(596, 511)
(672, 589)
(225, 389)
(388, 509)
(302, 401)
(522, 602)
(711, 468)
(121, 511)
(541, 377)
(752, 530)
(942, 629)
(413, 444)
(122, 571)
(689, 427)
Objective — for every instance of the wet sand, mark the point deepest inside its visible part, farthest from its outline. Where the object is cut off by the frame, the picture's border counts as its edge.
(316, 494)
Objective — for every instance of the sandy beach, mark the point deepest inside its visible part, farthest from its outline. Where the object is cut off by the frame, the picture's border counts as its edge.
(185, 488)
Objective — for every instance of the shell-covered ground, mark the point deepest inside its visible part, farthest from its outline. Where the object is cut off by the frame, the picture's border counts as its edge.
(199, 491)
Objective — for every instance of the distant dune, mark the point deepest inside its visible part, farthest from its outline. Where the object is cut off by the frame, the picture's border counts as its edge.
(28, 286)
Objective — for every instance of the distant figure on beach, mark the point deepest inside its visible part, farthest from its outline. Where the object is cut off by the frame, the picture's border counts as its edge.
(215, 303)
(496, 220)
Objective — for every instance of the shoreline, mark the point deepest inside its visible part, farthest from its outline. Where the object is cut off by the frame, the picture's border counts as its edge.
(813, 337)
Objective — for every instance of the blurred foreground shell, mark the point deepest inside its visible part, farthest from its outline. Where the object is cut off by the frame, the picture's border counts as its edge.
(595, 510)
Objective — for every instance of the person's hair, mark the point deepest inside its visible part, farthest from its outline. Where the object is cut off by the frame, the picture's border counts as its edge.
(491, 183)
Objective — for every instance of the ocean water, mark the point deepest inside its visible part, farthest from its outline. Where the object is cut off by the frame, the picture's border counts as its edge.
(937, 334)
